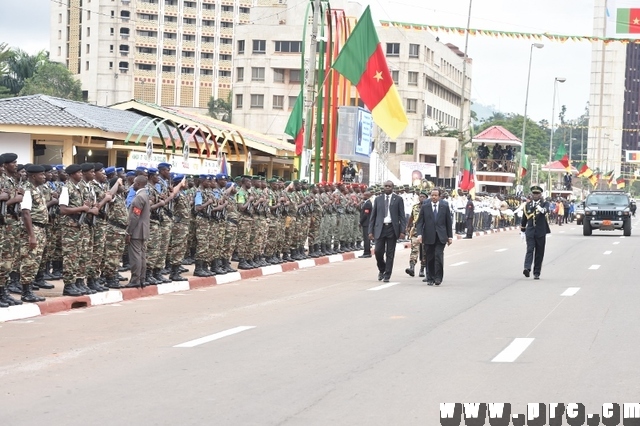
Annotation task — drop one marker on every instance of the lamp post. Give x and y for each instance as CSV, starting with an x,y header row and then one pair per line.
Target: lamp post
x,y
553,114
526,101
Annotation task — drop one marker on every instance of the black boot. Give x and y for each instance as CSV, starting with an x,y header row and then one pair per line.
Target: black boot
x,y
14,283
121,278
422,271
263,261
182,269
157,274
125,263
175,274
210,267
3,304
80,284
5,297
227,265
93,284
28,296
242,264
71,290
302,253
234,256
200,269
251,263
47,271
56,274
336,248
359,245
40,280
286,257
113,282
219,269
411,269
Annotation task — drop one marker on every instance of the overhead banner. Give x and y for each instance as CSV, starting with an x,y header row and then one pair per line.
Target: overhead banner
x,y
355,128
192,166
633,156
623,19
411,173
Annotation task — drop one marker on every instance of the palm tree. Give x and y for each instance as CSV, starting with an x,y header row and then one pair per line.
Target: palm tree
x,y
21,66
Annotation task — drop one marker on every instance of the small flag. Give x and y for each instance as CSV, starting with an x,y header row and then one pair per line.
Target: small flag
x,y
468,181
561,155
620,182
584,171
295,125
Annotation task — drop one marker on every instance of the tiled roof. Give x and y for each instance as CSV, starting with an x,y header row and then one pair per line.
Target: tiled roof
x,y
42,110
497,134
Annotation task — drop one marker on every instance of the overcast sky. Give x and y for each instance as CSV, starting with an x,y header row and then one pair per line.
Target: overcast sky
x,y
499,65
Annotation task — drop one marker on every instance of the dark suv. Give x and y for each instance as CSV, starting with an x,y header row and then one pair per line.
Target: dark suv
x,y
607,211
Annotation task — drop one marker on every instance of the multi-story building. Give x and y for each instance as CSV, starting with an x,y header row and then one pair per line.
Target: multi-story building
x,y
169,52
428,75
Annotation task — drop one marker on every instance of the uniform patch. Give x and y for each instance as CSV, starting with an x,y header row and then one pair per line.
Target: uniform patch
x,y
137,211
367,211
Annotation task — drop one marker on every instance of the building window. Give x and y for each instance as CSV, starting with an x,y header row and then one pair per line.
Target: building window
x,y
292,102
208,23
146,67
59,51
429,111
88,15
206,72
239,74
226,24
207,56
238,101
111,48
278,75
412,78
59,34
393,49
412,105
408,148
240,47
89,31
169,52
188,37
224,73
88,48
187,54
259,46
185,70
294,76
168,68
257,74
414,50
430,86
207,39
257,101
170,18
288,46
392,147
278,102
226,41
395,76
188,21
86,66
110,65
59,18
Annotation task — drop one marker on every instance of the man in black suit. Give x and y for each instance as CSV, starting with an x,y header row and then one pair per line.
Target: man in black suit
x,y
365,215
434,229
535,228
386,225
138,231
469,211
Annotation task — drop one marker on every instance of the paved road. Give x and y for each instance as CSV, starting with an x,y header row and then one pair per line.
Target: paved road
x,y
323,346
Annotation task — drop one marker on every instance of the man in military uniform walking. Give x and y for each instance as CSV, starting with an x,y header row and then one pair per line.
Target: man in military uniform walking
x,y
534,228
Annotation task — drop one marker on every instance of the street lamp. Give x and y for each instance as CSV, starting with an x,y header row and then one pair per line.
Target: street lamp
x,y
553,113
526,101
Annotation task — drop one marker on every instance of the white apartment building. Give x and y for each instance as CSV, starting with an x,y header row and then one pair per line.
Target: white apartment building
x,y
169,52
428,75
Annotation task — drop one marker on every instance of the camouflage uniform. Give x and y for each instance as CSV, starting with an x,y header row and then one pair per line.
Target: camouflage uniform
x,y
166,224
180,230
30,259
12,229
231,231
203,228
244,226
155,258
99,232
76,252
118,219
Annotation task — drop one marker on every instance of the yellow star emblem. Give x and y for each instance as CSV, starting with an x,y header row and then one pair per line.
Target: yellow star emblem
x,y
636,21
378,76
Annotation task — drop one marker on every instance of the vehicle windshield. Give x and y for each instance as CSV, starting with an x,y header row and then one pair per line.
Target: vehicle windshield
x,y
607,200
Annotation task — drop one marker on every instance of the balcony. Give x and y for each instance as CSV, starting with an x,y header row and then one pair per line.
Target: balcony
x,y
188,62
496,166
226,16
147,74
208,31
168,75
224,65
172,26
145,57
171,10
226,31
209,46
208,14
168,60
243,18
190,12
224,80
190,44
189,28
147,25
170,42
149,8
146,41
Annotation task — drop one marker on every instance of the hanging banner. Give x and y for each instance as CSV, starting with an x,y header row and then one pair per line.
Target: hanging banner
x,y
142,159
412,173
623,19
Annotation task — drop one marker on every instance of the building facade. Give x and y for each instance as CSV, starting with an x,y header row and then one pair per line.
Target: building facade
x,y
169,52
427,73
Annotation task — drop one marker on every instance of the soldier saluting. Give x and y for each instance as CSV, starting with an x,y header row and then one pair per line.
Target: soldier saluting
x,y
535,228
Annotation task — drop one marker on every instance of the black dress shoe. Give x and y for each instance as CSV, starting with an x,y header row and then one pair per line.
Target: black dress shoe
x,y
386,279
380,276
466,238
132,285
536,277
526,272
364,256
438,282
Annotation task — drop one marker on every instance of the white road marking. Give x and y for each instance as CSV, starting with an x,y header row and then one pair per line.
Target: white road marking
x,y
179,294
216,336
570,291
458,264
622,236
562,232
383,286
594,267
608,252
617,242
514,350
500,250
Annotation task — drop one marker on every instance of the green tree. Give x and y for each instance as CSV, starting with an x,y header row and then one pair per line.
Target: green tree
x,y
20,67
5,55
220,109
53,79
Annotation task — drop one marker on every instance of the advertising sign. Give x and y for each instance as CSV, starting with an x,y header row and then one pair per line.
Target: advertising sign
x,y
355,127
410,171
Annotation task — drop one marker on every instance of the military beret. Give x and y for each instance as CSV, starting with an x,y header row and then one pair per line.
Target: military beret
x,y
246,177
74,168
536,189
222,176
237,178
47,167
164,166
177,178
229,185
59,167
9,157
142,169
255,177
119,169
131,173
1,158
98,166
272,180
109,170
87,167
287,182
304,181
152,171
34,168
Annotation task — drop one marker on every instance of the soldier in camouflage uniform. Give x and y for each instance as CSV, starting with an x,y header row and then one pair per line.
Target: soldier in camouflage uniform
x,y
155,257
203,202
231,224
314,223
416,247
244,200
218,224
8,162
180,230
12,229
33,236
164,187
55,243
117,220
102,199
271,247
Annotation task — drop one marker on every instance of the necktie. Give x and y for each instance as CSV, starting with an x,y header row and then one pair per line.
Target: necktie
x,y
386,205
435,210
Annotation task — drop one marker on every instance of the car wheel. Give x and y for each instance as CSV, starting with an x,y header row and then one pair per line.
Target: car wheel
x,y
627,228
586,228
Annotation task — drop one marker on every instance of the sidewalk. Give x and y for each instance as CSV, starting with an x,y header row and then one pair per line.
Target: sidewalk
x,y
57,303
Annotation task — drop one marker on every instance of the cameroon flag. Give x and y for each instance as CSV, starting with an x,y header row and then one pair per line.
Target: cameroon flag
x,y
584,171
620,183
363,63
295,125
628,21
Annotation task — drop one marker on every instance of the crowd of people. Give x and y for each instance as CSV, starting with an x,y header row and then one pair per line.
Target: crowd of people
x,y
498,158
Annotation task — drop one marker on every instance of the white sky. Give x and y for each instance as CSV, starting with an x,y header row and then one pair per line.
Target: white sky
x,y
499,65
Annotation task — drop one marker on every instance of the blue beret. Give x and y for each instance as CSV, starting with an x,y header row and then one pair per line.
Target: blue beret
x,y
152,171
109,170
177,178
119,169
230,184
59,167
142,169
131,173
205,177
164,166
220,176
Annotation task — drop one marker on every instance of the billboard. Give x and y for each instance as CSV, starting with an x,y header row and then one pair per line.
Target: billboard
x,y
633,156
355,134
412,172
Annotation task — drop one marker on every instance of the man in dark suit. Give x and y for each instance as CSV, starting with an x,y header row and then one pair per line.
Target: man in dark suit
x,y
365,216
535,228
434,229
386,225
138,231
469,211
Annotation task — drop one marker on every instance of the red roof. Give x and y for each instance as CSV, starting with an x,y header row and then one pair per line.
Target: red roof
x,y
496,134
556,166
